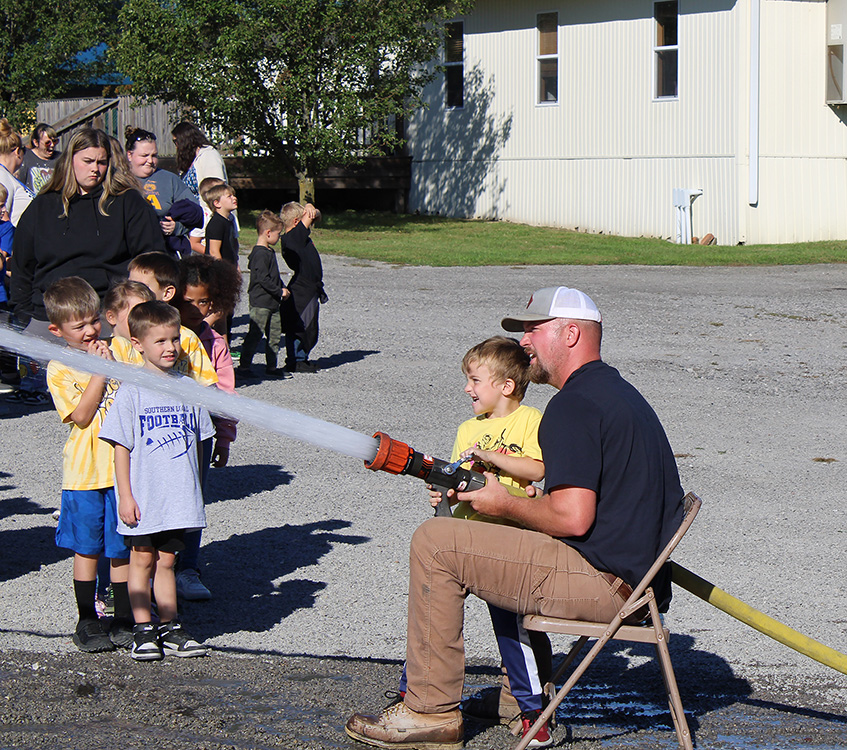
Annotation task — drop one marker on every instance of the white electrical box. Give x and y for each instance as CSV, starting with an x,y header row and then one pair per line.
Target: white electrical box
x,y
836,31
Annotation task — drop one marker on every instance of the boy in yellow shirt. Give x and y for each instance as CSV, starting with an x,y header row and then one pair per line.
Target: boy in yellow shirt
x,y
160,273
88,521
502,438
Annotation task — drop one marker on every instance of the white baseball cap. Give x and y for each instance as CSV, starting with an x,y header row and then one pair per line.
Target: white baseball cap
x,y
554,302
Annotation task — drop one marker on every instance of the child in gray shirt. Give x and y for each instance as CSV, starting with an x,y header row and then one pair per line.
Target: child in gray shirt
x,y
157,442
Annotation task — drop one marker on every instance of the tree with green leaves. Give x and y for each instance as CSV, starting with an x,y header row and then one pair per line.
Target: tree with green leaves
x,y
47,48
312,83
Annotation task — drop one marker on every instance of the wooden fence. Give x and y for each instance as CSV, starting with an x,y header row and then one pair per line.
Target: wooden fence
x,y
113,116
388,173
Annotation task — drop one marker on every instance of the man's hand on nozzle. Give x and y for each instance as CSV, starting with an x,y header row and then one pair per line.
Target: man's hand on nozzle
x,y
492,500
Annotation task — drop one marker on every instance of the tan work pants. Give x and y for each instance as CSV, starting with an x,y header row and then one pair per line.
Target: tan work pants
x,y
518,570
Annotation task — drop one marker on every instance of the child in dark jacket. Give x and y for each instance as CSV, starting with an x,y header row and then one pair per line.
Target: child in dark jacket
x,y
300,311
265,293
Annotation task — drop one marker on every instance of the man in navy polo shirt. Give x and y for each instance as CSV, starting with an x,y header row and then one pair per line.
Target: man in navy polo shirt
x,y
612,500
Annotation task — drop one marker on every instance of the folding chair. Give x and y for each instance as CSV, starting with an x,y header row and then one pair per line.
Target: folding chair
x,y
652,630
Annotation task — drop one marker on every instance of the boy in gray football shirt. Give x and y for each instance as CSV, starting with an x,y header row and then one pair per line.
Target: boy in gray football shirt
x,y
157,440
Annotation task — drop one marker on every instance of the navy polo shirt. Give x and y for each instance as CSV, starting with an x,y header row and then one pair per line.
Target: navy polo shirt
x,y
598,432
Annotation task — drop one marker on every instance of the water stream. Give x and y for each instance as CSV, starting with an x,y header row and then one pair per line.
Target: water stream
x,y
274,418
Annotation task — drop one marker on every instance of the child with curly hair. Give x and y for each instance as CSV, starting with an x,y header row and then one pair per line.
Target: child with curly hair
x,y
207,287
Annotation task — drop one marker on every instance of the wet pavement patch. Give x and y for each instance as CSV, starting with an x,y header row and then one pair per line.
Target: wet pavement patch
x,y
276,701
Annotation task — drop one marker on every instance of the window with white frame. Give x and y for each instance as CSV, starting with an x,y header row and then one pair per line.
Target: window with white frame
x,y
666,49
454,64
548,57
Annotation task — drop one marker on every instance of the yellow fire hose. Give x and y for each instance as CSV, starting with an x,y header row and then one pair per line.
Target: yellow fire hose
x,y
772,628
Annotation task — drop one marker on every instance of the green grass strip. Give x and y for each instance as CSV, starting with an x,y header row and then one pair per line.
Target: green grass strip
x,y
436,241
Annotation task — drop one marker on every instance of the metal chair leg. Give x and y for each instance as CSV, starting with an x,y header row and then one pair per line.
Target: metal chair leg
x,y
683,734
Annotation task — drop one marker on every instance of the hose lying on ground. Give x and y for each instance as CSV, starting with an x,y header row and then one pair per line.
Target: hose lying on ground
x,y
710,593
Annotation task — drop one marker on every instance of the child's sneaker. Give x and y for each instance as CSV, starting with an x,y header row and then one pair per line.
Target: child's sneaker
x,y
176,642
109,601
90,637
190,587
146,646
121,633
542,736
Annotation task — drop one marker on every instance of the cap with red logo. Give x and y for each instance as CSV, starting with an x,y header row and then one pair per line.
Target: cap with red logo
x,y
554,302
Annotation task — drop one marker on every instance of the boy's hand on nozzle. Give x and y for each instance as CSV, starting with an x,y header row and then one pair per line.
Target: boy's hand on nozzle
x,y
435,496
129,511
477,454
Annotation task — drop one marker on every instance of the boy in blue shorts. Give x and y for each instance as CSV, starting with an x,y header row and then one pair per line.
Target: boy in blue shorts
x,y
157,441
88,522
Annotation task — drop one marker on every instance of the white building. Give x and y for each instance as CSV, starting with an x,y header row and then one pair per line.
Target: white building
x,y
587,114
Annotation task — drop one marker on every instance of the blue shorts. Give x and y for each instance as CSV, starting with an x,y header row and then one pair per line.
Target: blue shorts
x,y
88,523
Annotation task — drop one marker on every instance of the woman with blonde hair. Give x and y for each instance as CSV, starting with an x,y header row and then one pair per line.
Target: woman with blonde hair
x,y
89,220
11,158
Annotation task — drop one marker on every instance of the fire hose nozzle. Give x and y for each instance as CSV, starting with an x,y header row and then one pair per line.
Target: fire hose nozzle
x,y
391,455
398,458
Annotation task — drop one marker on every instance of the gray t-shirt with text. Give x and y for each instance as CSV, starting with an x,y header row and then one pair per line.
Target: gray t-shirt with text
x,y
162,435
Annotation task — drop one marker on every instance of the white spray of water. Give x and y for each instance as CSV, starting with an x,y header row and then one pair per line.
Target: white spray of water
x,y
273,418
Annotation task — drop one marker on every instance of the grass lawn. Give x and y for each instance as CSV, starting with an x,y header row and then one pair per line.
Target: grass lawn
x,y
436,241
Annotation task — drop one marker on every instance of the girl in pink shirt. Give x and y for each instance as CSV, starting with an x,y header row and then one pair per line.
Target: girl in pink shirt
x,y
206,287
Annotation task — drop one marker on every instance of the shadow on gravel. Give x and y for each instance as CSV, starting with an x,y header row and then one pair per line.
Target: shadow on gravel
x,y
237,482
798,712
18,506
344,358
12,410
622,693
26,550
241,572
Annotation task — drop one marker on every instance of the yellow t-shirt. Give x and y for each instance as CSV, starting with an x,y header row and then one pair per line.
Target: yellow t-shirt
x,y
516,435
192,362
88,463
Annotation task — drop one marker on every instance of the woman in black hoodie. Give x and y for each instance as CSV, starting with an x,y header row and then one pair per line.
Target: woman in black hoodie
x,y
90,220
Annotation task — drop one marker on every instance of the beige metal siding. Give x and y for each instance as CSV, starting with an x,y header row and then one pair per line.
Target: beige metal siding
x,y
803,163
607,156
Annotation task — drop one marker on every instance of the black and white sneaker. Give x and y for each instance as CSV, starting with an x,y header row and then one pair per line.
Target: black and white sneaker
x,y
146,646
176,642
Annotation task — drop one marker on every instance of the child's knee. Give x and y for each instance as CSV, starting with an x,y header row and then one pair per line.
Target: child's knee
x,y
166,561
142,557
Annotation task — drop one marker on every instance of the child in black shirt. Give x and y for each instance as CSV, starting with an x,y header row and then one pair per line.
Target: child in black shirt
x,y
265,292
300,310
221,241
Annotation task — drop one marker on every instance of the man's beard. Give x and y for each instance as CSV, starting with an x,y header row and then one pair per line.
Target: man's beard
x,y
538,373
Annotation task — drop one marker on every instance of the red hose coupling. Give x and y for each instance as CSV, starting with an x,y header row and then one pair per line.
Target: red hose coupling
x,y
391,455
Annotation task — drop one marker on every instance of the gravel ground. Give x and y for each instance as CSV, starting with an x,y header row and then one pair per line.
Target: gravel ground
x,y
306,551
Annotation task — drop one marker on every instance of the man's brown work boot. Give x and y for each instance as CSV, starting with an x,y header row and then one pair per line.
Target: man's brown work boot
x,y
493,705
400,727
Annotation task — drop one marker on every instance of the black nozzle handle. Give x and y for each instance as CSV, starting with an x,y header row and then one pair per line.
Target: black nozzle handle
x,y
443,507
463,480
